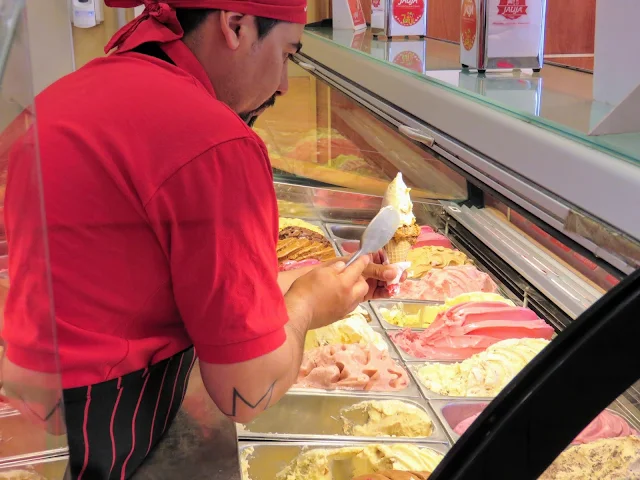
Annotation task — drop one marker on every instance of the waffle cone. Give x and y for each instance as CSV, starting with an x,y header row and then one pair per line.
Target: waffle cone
x,y
397,250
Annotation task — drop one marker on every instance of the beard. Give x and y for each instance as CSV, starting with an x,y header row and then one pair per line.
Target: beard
x,y
250,117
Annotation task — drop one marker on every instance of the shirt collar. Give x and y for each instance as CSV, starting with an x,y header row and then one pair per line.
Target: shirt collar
x,y
184,58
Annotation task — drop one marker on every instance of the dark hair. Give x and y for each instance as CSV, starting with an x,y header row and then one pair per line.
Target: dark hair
x,y
191,18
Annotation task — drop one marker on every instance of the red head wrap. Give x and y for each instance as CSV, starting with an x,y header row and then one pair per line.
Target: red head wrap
x,y
163,25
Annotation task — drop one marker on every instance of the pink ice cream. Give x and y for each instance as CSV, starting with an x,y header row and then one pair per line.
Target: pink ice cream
x,y
605,425
294,264
429,238
442,283
351,367
469,328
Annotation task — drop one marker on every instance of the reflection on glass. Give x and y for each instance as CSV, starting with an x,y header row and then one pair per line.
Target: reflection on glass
x,y
318,133
31,420
565,98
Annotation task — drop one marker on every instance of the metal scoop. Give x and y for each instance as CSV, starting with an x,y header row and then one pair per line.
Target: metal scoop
x,y
378,232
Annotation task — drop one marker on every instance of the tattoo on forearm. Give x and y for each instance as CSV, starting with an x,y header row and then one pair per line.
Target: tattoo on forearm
x,y
264,400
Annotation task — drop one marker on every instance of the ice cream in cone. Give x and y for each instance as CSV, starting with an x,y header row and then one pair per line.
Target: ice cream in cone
x,y
397,196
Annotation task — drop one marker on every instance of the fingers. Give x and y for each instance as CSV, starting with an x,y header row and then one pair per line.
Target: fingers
x,y
353,272
361,289
384,273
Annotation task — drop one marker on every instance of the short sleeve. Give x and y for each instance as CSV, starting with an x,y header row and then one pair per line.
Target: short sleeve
x,y
217,220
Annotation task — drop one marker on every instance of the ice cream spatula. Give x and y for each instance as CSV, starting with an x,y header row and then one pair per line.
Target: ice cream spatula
x,y
378,233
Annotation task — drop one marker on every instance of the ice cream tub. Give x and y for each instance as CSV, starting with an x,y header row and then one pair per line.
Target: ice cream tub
x,y
345,231
50,468
308,416
347,247
21,440
410,391
410,307
430,395
264,460
451,413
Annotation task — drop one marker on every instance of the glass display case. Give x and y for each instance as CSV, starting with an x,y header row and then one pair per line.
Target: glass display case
x,y
32,440
568,280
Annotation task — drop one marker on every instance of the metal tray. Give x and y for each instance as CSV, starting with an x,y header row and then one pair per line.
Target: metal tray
x,y
347,247
21,440
51,468
269,458
345,231
308,416
410,306
430,395
451,412
412,390
374,322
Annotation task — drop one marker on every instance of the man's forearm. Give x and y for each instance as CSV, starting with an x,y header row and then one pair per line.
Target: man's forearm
x,y
242,391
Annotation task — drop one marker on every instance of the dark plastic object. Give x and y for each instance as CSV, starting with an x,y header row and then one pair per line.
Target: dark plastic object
x,y
556,396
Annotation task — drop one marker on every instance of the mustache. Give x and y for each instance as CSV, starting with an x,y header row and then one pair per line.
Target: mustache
x,y
251,117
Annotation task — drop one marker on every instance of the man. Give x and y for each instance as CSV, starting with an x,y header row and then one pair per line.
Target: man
x,y
162,227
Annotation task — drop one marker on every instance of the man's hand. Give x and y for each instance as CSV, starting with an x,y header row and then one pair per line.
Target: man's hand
x,y
378,275
331,291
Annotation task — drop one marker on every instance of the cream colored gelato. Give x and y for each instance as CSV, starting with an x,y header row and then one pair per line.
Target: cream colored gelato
x,y
388,418
353,329
397,196
322,464
425,316
607,459
424,259
484,374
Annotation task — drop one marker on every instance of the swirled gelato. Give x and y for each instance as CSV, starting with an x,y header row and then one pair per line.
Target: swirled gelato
x,y
351,367
319,464
388,418
352,329
470,328
448,282
424,315
425,259
484,374
605,425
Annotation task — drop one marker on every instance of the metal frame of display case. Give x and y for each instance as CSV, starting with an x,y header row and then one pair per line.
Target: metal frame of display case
x,y
529,165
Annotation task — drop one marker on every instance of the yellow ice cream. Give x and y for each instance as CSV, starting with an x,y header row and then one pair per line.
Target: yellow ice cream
x,y
484,374
244,462
296,222
349,462
424,259
428,313
388,418
20,475
610,458
353,329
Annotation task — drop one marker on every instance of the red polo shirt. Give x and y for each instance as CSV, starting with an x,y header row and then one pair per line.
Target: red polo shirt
x,y
162,225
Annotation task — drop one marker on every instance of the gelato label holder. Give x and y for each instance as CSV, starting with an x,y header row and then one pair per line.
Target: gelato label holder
x,y
502,34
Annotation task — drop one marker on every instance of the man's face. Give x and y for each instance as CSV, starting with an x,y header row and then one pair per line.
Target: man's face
x,y
259,64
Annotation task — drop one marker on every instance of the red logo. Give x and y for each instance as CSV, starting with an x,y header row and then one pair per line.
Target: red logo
x,y
468,24
512,9
410,60
375,3
408,12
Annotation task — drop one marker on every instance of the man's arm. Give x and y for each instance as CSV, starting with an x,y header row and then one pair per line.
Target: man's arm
x,y
220,237
244,390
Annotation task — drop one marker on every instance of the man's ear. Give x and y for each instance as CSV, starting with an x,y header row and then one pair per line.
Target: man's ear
x,y
234,26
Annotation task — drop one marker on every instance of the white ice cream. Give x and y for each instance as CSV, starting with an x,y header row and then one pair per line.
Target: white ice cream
x,y
397,195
